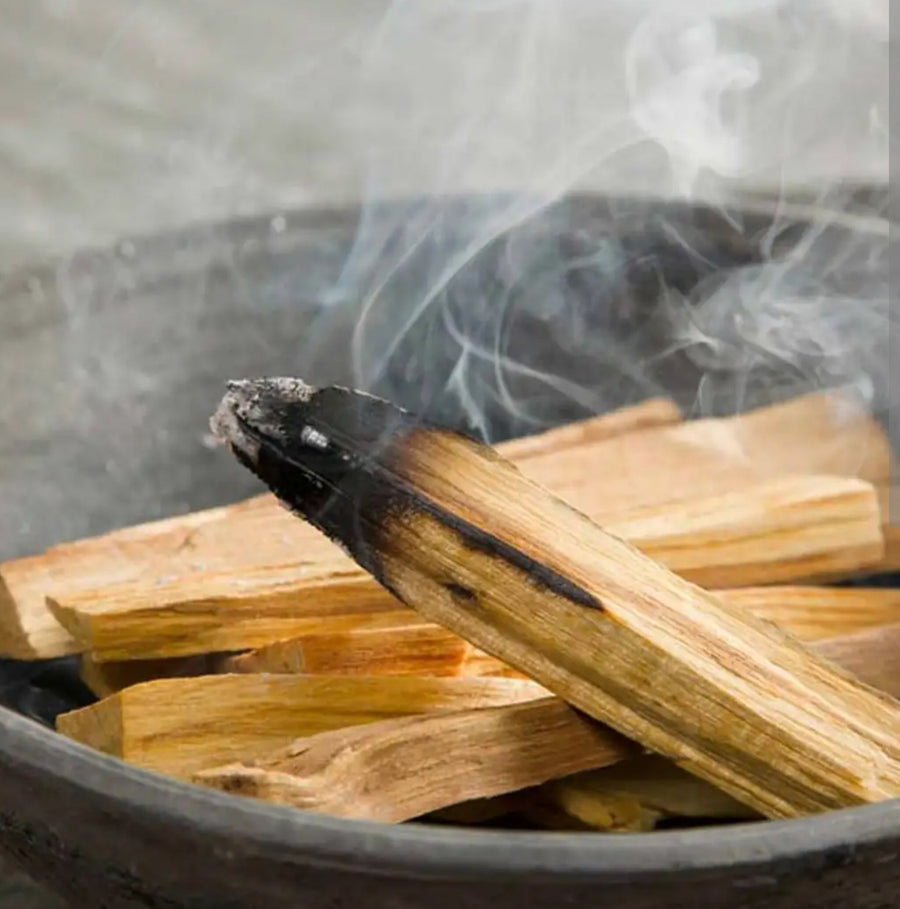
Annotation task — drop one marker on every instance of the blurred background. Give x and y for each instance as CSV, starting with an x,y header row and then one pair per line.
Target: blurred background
x,y
126,118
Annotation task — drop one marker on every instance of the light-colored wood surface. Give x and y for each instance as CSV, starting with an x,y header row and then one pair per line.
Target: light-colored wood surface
x,y
609,479
722,693
776,530
424,649
636,794
397,770
176,726
236,539
630,796
815,613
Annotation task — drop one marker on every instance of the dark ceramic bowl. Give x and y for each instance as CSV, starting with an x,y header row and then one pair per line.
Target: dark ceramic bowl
x,y
112,362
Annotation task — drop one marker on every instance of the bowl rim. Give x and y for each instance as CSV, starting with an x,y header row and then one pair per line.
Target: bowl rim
x,y
426,852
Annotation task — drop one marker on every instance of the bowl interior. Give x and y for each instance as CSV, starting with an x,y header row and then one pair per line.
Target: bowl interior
x,y
112,361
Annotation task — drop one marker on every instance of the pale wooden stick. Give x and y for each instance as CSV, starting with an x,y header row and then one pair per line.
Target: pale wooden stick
x,y
177,726
595,800
459,534
811,613
636,794
772,532
403,643
608,480
236,540
411,649
782,528
816,613
646,415
401,769
223,611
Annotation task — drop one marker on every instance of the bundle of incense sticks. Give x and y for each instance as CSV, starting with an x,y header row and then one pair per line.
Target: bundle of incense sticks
x,y
608,626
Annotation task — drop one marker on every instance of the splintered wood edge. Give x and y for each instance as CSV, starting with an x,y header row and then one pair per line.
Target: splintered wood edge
x,y
339,772
178,726
30,633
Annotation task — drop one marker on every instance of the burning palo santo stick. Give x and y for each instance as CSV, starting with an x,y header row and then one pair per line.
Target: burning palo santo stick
x,y
460,535
610,478
236,538
177,726
777,529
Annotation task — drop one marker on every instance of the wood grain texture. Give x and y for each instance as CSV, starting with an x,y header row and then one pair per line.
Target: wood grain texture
x,y
176,726
780,529
462,536
829,615
637,794
609,479
222,611
632,796
726,696
397,770
815,613
410,649
238,538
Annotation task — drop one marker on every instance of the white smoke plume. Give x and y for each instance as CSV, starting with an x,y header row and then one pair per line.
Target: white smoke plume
x,y
496,293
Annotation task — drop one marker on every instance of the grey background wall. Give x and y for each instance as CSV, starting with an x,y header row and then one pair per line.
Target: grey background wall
x,y
121,118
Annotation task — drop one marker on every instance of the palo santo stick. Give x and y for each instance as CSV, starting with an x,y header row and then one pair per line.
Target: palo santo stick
x,y
648,788
459,534
814,434
237,538
636,794
816,613
776,531
647,414
491,753
782,528
224,611
811,613
177,726
424,649
609,479
396,770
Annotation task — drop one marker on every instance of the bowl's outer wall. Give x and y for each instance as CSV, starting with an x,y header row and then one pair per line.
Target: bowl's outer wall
x,y
111,364
101,850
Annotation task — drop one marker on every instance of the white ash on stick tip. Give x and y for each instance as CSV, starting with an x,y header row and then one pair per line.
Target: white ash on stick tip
x,y
244,402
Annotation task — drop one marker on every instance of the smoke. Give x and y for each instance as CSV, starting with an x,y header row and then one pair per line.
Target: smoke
x,y
530,246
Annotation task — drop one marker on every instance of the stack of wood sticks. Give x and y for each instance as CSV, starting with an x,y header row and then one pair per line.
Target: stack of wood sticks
x,y
620,624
